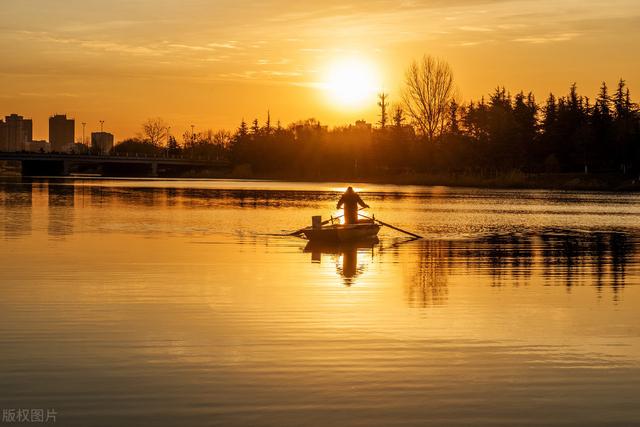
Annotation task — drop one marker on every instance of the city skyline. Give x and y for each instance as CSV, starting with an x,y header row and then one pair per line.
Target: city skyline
x,y
42,128
16,134
193,63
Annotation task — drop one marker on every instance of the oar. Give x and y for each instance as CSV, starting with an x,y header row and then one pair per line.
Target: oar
x,y
394,227
327,221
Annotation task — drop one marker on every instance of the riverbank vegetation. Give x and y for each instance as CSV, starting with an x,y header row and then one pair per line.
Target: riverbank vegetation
x,y
430,135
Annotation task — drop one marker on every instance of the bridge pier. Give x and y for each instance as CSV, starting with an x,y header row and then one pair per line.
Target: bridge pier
x,y
154,169
66,167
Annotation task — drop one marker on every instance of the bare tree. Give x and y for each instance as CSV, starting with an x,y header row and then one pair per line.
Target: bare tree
x,y
155,130
189,138
429,90
222,138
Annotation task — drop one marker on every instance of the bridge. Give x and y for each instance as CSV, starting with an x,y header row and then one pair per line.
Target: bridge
x,y
65,164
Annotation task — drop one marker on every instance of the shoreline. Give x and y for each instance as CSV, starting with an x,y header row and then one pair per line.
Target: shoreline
x,y
508,181
511,181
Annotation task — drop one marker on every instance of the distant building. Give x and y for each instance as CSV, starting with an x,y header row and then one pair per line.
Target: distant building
x,y
101,142
15,132
61,132
38,146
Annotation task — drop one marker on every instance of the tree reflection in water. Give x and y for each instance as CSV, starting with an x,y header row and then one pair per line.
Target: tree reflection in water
x,y
558,257
429,284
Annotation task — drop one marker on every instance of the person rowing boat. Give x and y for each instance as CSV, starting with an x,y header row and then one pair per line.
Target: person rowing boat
x,y
351,200
352,229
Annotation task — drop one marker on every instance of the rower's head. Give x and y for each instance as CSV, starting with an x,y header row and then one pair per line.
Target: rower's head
x,y
350,189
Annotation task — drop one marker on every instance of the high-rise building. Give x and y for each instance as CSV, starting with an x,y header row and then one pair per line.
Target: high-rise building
x,y
15,132
61,132
101,142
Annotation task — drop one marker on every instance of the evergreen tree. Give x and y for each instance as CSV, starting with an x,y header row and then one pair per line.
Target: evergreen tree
x,y
525,116
173,148
602,121
621,100
398,117
267,124
550,113
243,130
603,103
454,128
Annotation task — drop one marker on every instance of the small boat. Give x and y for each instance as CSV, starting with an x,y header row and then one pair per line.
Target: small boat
x,y
342,232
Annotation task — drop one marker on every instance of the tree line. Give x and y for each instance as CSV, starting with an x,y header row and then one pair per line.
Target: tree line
x,y
430,131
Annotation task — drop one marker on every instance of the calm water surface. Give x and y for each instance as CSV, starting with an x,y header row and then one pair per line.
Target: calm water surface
x,y
136,302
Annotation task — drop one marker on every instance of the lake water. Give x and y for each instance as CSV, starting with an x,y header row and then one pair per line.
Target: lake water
x,y
150,302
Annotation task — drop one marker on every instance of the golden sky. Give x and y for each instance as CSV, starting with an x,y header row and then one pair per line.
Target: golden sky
x,y
211,63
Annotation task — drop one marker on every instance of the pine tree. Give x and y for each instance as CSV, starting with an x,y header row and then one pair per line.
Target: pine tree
x,y
172,146
267,125
550,112
619,100
603,103
601,121
574,100
243,130
398,117
454,128
627,101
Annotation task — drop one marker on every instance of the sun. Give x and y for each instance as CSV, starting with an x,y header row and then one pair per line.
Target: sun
x,y
352,82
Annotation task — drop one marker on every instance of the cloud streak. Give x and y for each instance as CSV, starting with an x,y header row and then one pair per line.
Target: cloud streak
x,y
549,38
